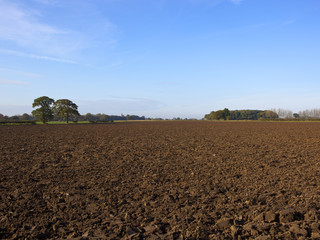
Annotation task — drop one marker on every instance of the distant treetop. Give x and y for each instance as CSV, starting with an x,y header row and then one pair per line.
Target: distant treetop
x,y
226,114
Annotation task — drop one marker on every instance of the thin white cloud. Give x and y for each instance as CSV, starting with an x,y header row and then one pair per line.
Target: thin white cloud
x,y
23,54
23,26
26,29
27,74
12,82
51,58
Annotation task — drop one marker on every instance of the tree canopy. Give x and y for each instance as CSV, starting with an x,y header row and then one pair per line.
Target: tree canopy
x,y
44,112
65,108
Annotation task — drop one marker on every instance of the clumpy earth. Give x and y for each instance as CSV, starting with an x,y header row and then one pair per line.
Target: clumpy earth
x,y
160,180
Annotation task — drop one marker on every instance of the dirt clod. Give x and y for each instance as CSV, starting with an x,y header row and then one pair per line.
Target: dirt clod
x,y
287,215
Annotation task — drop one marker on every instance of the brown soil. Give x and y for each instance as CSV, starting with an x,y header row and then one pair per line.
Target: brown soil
x,y
160,180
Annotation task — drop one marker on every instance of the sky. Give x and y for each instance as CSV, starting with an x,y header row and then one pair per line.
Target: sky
x,y
160,58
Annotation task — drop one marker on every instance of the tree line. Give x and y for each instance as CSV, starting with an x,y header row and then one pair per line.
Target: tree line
x,y
308,114
99,117
226,114
279,113
105,117
47,109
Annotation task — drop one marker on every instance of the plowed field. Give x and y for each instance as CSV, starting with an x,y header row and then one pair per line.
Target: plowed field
x,y
160,180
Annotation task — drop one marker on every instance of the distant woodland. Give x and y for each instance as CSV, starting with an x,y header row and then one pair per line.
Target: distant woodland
x,y
272,114
86,117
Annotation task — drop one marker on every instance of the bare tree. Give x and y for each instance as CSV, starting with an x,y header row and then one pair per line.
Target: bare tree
x,y
283,113
310,113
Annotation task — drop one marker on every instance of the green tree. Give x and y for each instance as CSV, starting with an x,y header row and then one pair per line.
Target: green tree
x,y
44,112
218,115
296,115
25,116
104,117
226,114
65,108
207,117
268,114
14,118
89,117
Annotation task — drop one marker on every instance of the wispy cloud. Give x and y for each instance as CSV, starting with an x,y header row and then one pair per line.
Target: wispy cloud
x,y
12,82
23,54
24,26
27,74
21,25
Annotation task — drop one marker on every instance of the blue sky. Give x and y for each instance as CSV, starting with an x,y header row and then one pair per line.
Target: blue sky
x,y
160,58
